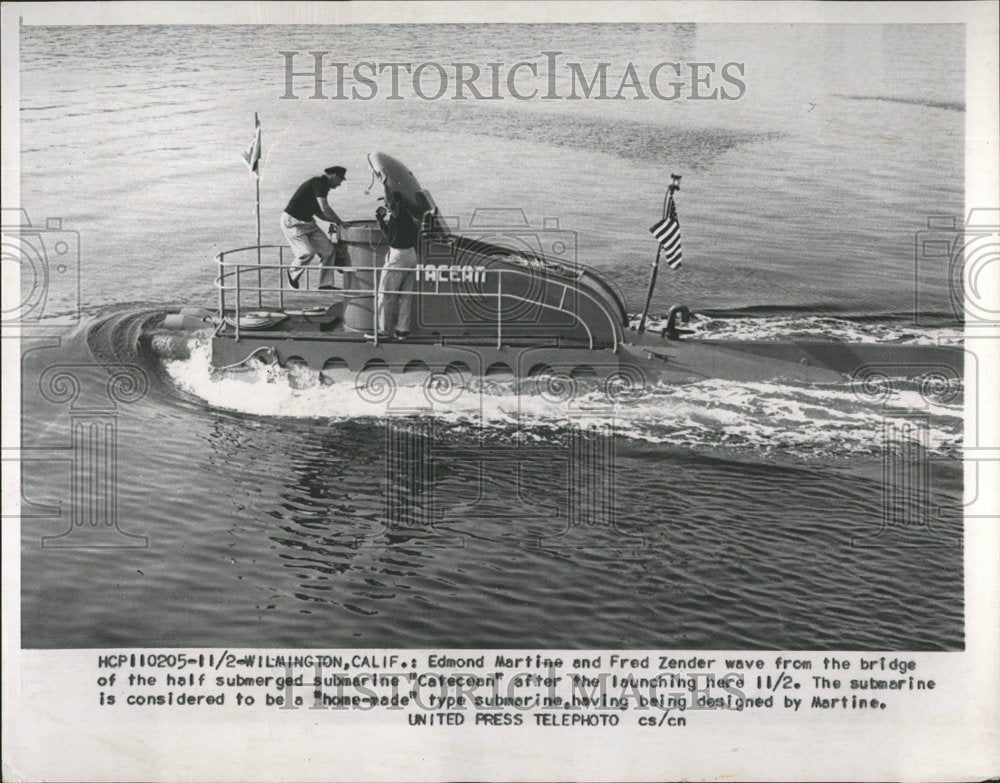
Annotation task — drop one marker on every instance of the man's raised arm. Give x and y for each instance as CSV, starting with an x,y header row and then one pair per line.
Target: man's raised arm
x,y
327,211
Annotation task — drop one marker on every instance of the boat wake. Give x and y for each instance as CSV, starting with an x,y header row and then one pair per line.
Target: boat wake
x,y
812,327
805,421
800,420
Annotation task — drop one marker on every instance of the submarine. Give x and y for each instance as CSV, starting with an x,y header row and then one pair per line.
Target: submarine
x,y
504,301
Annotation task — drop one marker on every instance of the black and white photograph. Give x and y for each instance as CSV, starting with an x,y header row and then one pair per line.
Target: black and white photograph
x,y
402,333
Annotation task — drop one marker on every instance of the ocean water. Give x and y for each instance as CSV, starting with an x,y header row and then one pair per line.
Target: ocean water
x,y
745,515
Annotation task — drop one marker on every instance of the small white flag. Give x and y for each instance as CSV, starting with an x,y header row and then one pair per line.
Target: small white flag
x,y
252,155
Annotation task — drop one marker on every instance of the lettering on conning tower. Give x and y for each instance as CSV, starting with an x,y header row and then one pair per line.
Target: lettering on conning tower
x,y
451,273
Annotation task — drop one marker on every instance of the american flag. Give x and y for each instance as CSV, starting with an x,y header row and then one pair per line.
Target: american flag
x,y
668,234
252,155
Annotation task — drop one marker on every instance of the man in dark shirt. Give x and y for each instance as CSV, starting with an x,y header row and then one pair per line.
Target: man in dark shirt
x,y
395,292
307,239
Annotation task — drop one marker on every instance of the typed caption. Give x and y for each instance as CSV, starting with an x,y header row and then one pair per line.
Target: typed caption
x,y
499,689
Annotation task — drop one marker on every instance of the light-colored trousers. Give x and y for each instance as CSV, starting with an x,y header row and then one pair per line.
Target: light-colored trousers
x,y
398,275
308,241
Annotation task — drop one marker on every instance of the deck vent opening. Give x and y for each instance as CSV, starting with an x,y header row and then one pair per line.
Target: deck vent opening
x,y
335,363
334,369
458,368
415,366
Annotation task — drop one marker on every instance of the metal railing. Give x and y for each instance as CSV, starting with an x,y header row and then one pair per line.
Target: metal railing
x,y
234,271
575,269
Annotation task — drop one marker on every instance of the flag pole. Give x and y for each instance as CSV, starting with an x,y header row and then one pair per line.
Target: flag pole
x,y
667,199
260,278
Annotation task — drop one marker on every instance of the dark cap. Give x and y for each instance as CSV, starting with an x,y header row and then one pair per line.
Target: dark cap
x,y
336,170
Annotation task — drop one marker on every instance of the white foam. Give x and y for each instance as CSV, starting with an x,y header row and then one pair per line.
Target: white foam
x,y
806,420
812,328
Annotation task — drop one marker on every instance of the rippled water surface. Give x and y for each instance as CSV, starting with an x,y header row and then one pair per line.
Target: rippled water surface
x,y
745,515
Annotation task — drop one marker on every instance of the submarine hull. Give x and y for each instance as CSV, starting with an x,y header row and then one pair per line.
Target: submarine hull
x,y
308,339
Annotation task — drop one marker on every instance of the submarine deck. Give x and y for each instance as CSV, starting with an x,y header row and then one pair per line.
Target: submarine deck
x,y
316,333
318,338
